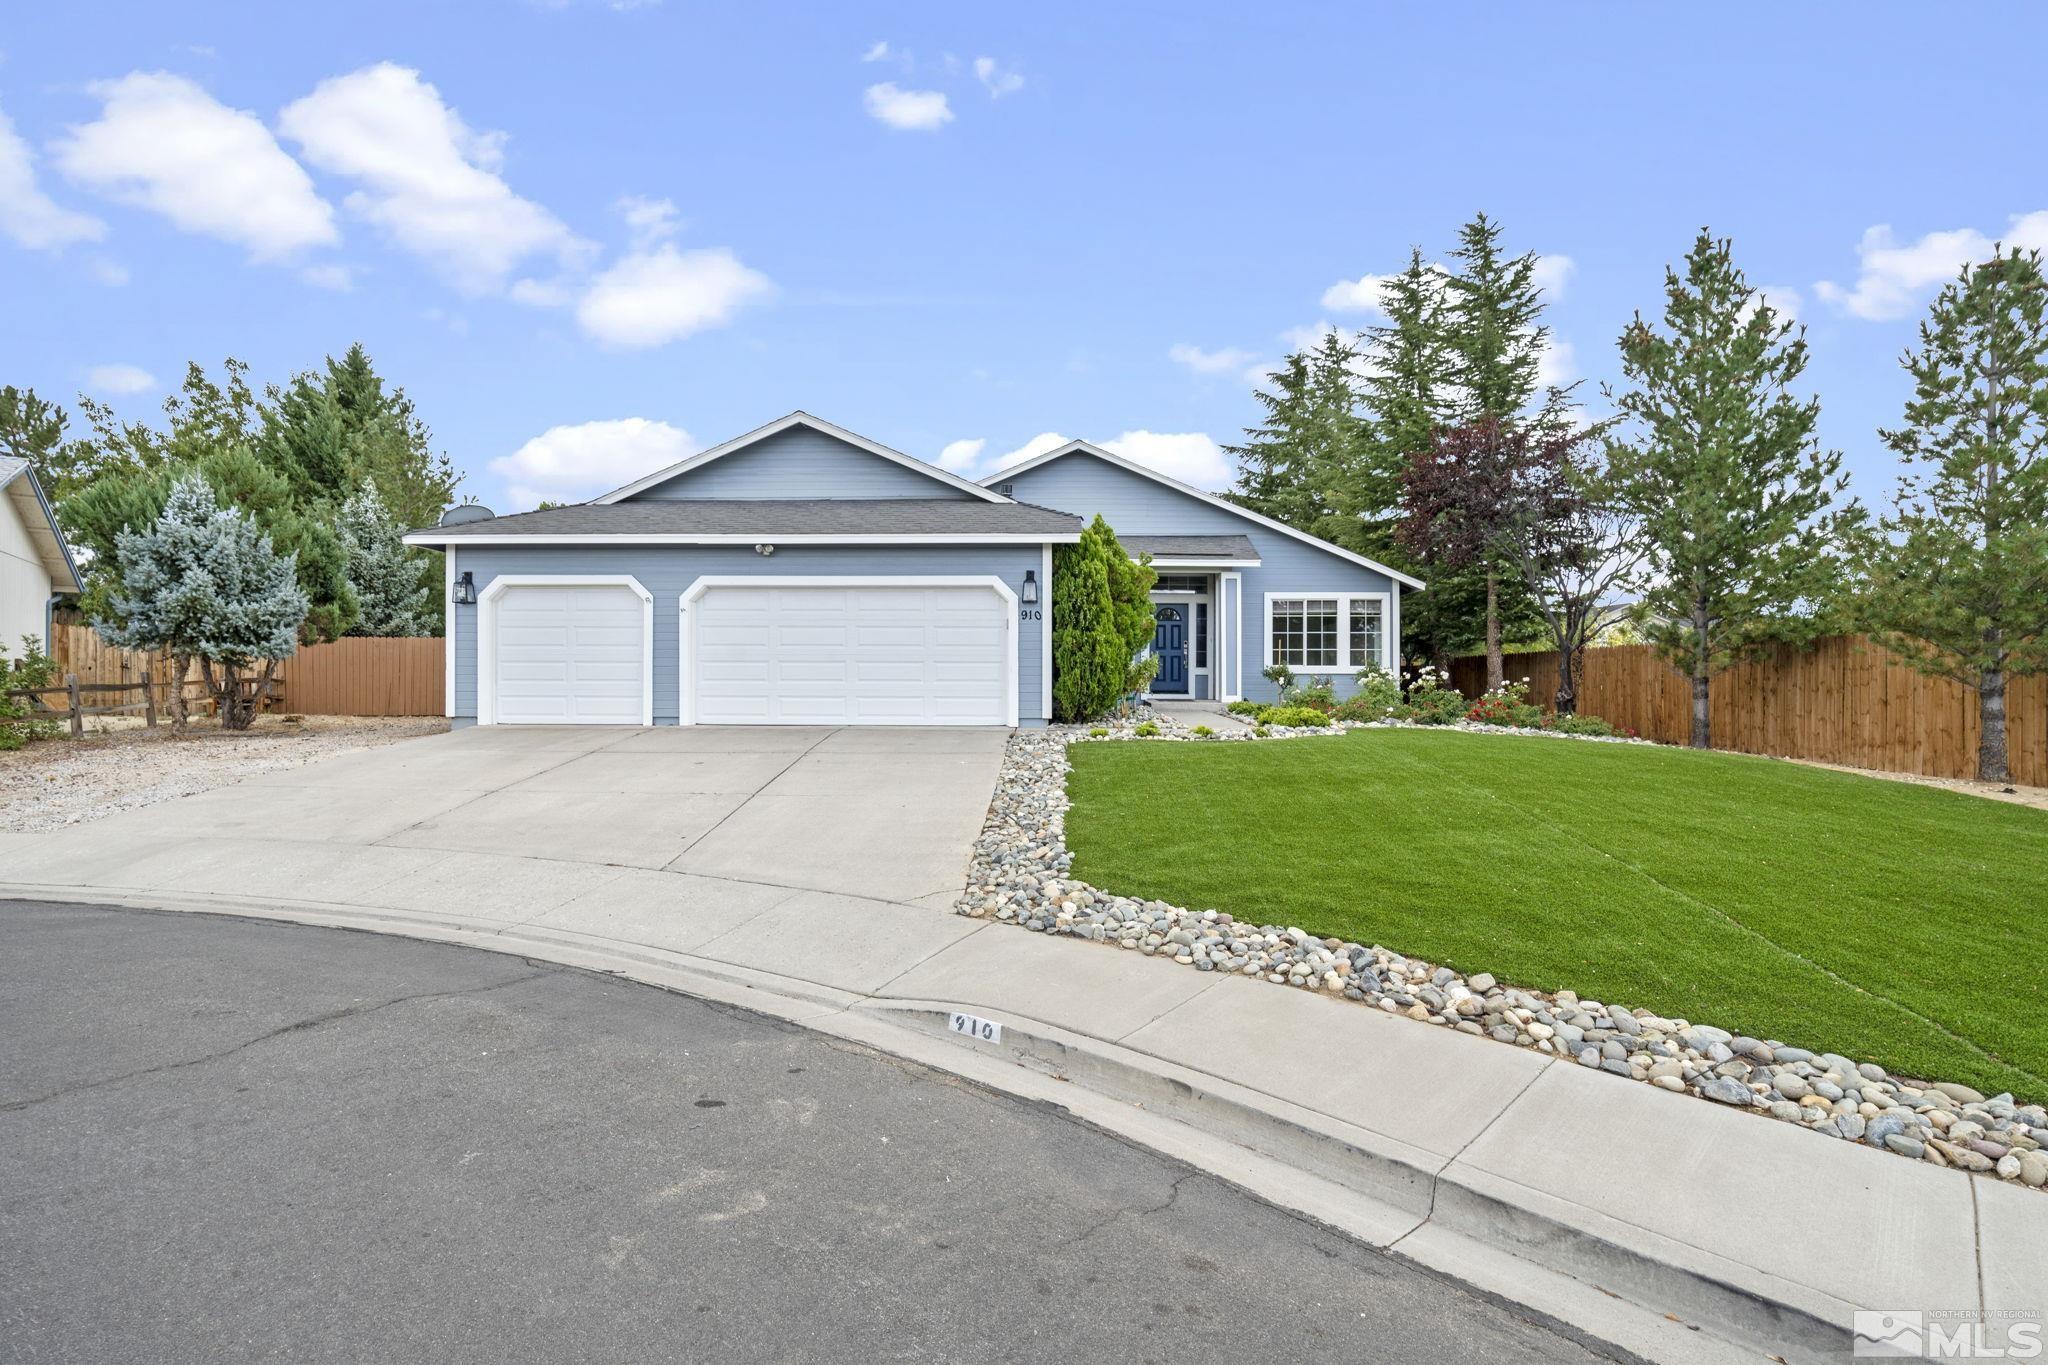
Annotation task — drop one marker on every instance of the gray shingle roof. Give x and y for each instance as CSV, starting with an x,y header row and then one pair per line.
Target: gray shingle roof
x,y
1190,547
772,517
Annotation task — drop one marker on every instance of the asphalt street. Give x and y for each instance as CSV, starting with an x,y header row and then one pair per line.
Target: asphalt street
x,y
236,1140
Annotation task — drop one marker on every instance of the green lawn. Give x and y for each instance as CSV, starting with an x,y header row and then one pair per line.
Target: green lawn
x,y
1884,921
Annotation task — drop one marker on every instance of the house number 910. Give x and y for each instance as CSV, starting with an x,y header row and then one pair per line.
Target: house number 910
x,y
983,1030
1029,613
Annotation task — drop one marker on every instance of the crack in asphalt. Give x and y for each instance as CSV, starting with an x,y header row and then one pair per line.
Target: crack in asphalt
x,y
1103,1224
298,1026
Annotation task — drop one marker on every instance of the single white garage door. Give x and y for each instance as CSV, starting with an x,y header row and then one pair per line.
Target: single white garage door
x,y
815,655
570,656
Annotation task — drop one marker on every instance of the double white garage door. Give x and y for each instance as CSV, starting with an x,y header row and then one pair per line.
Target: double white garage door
x,y
808,654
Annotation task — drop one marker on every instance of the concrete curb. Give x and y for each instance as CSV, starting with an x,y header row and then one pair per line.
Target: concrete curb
x,y
1520,1245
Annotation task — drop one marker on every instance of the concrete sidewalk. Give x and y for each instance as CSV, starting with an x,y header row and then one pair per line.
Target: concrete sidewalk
x,y
1599,1200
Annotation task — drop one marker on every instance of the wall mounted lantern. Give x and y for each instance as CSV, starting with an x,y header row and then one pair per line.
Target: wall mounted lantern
x,y
465,589
1030,594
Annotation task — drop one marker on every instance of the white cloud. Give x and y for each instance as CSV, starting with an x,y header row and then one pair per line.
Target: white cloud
x,y
878,52
1310,335
540,293
1551,273
649,220
1189,456
1894,277
27,215
961,456
1031,449
1783,299
576,463
921,111
650,298
428,179
1210,362
162,143
1362,295
995,79
336,277
1557,364
120,380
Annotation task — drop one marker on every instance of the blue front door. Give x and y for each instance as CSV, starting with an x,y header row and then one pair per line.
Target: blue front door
x,y
1170,644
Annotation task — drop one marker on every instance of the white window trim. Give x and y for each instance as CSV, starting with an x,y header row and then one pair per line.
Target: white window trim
x,y
1345,663
448,632
686,704
1045,637
1228,618
487,635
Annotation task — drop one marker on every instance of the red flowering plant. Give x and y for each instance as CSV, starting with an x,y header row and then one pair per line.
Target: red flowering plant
x,y
1507,705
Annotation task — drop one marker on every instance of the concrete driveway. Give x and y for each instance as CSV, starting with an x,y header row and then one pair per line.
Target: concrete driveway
x,y
743,845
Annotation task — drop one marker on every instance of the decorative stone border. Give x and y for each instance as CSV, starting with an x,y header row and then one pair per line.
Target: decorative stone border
x,y
1018,875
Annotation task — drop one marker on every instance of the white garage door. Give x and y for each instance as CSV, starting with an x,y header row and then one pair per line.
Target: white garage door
x,y
570,656
817,655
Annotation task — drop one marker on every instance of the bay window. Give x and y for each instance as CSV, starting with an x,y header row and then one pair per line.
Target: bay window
x,y
1334,632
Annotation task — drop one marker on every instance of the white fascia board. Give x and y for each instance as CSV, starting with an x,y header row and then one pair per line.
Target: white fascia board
x,y
431,539
1084,448
1158,563
801,418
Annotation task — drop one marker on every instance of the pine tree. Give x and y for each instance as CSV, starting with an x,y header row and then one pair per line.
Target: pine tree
x,y
33,429
1101,621
1720,462
1405,394
203,582
1958,584
382,572
1303,463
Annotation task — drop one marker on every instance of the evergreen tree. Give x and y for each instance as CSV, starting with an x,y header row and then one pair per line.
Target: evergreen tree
x,y
1735,496
1304,462
1101,621
33,429
381,570
1958,585
203,582
1496,337
1405,394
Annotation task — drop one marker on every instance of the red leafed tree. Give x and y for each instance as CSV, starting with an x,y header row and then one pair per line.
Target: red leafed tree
x,y
1460,500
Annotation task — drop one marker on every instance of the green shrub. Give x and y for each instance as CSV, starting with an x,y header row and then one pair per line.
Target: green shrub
x,y
1203,731
1509,705
1101,619
1098,733
33,669
1433,701
1580,725
1260,732
1146,731
1378,696
1245,708
1298,717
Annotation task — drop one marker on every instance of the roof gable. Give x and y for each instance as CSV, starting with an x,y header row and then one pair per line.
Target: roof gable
x,y
20,491
907,476
1072,448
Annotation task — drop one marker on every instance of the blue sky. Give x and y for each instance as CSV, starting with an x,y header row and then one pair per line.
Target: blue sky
x,y
588,237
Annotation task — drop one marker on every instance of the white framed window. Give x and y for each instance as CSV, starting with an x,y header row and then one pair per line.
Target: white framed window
x,y
1327,632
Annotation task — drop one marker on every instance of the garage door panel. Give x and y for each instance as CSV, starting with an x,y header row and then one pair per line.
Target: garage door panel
x,y
819,654
570,655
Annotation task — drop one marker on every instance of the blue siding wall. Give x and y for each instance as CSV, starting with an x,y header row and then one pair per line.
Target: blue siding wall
x,y
1135,505
802,463
668,570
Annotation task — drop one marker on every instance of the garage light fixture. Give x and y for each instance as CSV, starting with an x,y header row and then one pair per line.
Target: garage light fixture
x,y
465,589
764,550
1030,593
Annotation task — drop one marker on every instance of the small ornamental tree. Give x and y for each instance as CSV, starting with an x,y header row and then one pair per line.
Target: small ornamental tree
x,y
381,571
1958,584
1460,498
1719,461
1101,620
203,583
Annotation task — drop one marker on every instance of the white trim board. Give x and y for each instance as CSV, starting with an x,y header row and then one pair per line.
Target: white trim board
x,y
1345,663
1045,636
487,627
448,632
801,418
1084,448
434,538
686,705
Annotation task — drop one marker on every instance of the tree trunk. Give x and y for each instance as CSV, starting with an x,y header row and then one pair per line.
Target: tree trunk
x,y
236,710
1496,674
1702,717
1568,663
1993,761
181,664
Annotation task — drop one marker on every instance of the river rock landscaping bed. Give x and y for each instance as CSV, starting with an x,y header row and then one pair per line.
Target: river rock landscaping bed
x,y
1019,875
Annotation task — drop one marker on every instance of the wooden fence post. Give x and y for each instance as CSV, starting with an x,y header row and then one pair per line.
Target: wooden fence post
x,y
77,715
148,699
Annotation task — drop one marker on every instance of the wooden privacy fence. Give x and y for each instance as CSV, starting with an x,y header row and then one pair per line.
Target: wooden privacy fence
x,y
357,676
1848,700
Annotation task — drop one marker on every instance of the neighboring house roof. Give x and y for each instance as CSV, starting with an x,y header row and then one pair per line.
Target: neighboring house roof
x,y
1171,548
18,483
803,419
747,520
1084,448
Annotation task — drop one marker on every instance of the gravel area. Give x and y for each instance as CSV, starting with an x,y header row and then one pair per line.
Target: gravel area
x,y
57,782
1019,875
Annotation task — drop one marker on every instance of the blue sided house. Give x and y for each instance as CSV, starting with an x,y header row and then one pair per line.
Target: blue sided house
x,y
804,575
